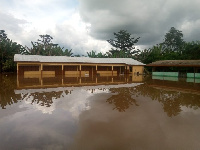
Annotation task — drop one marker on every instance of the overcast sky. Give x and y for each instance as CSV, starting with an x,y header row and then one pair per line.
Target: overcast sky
x,y
85,25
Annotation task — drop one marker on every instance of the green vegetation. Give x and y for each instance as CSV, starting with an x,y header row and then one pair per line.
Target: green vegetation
x,y
45,47
7,50
123,45
94,55
173,47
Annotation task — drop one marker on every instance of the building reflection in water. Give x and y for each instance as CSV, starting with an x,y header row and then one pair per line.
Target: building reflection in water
x,y
39,82
121,102
124,91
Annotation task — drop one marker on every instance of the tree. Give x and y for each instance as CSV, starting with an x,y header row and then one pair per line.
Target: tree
x,y
172,48
123,44
101,55
93,54
191,50
68,52
46,47
3,35
7,50
46,40
173,40
150,55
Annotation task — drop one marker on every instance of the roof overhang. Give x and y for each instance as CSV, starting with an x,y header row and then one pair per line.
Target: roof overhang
x,y
175,63
77,60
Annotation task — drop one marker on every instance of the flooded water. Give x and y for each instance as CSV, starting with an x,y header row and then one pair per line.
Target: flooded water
x,y
99,113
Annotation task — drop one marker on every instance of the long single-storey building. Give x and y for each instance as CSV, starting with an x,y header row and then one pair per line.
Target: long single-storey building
x,y
51,66
176,68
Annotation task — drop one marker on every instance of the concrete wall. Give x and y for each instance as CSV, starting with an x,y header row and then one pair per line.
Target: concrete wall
x,y
31,74
51,69
137,70
192,75
165,78
169,74
36,74
48,74
136,78
107,73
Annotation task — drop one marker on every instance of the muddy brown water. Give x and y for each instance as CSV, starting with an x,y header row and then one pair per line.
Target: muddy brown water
x,y
99,113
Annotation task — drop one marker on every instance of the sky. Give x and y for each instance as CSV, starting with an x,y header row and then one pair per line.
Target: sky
x,y
85,25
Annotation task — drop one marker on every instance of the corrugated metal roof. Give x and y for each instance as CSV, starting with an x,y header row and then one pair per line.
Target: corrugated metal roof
x,y
175,63
66,59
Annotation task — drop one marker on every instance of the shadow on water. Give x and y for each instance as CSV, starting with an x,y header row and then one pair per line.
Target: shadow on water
x,y
172,95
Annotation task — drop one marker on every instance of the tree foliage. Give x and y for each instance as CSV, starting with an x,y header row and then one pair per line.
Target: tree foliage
x,y
191,51
173,40
3,35
172,48
45,46
123,45
93,54
8,49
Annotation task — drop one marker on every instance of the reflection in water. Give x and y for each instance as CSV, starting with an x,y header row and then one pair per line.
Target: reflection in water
x,y
122,98
173,95
69,114
38,82
46,97
7,94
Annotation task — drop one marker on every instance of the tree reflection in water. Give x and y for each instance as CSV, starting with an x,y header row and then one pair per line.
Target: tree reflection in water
x,y
122,99
172,95
44,99
171,99
7,94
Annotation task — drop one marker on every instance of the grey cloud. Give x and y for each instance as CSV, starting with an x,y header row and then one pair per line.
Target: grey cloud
x,y
69,38
14,28
10,23
150,20
80,42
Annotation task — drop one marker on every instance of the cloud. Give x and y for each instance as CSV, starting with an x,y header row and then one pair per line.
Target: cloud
x,y
85,25
11,24
59,19
73,34
149,20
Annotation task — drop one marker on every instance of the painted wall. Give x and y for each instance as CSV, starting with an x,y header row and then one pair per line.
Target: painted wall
x,y
136,78
107,73
56,69
36,74
31,74
137,69
48,74
165,78
192,75
169,74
